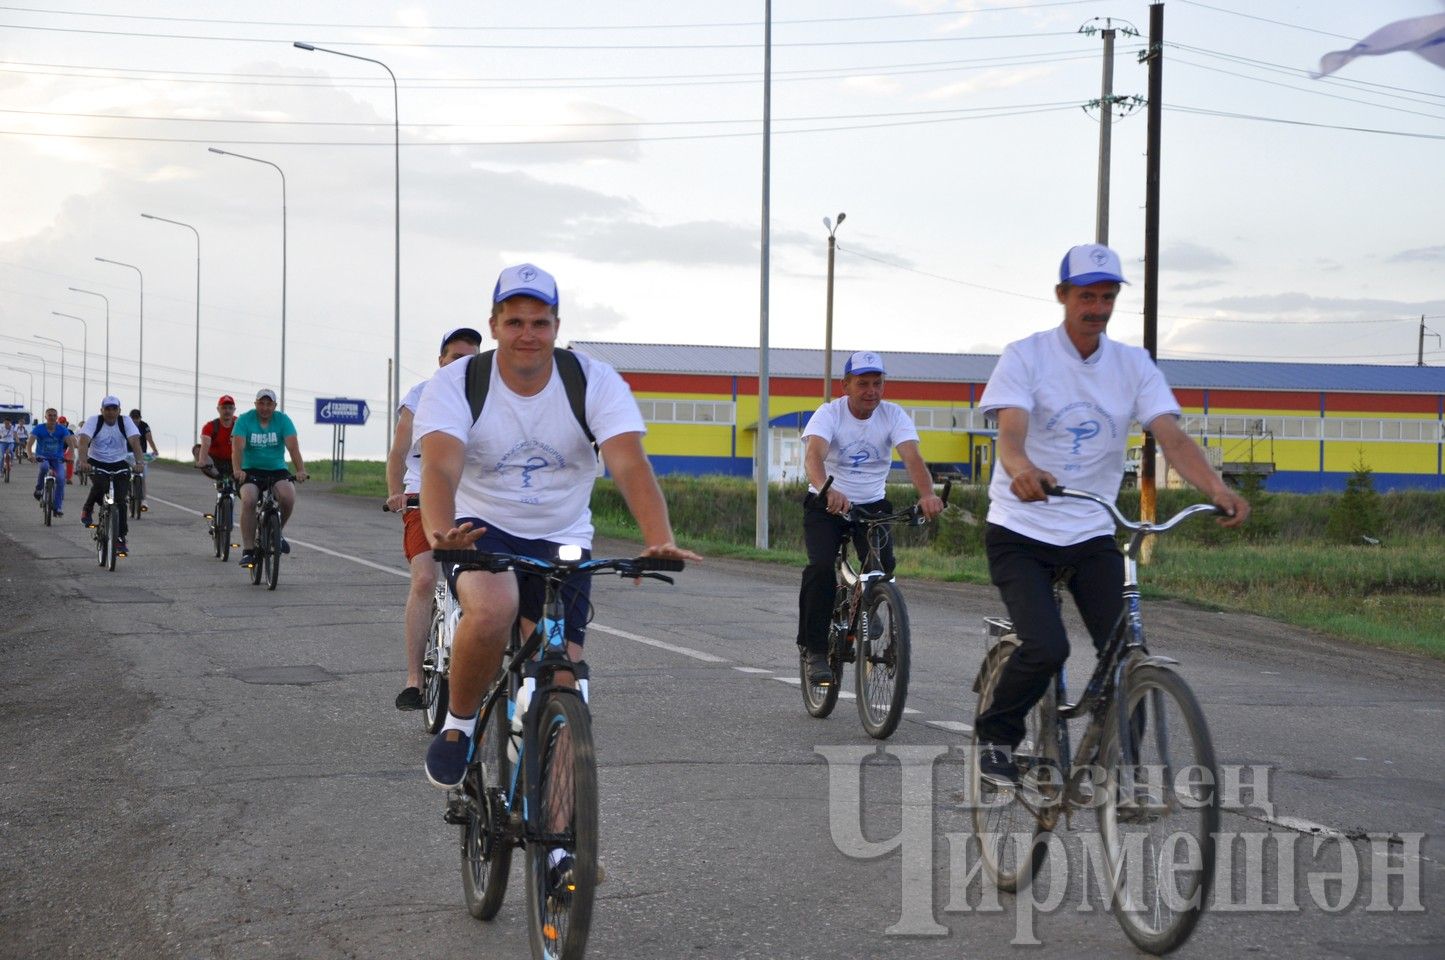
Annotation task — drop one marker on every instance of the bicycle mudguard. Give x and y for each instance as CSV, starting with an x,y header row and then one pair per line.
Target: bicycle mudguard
x,y
1006,643
1149,660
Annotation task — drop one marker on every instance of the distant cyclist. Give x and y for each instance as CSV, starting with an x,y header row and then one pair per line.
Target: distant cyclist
x,y
69,452
403,484
213,453
48,443
146,438
260,440
20,434
7,442
105,441
852,440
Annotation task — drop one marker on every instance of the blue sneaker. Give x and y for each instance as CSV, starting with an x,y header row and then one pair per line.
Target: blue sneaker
x,y
447,758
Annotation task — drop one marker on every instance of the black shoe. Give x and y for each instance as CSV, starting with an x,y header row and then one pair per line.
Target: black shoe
x,y
409,699
121,549
248,558
285,546
996,766
37,494
58,513
819,672
85,520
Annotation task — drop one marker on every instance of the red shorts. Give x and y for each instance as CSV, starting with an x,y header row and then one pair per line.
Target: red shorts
x,y
414,540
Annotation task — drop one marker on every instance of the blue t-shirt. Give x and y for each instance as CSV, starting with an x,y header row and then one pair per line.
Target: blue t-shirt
x,y
50,444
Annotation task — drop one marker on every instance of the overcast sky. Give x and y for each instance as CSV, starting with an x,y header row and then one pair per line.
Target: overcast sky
x,y
618,145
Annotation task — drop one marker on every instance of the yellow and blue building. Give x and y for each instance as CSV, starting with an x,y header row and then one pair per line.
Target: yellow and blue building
x,y
1311,422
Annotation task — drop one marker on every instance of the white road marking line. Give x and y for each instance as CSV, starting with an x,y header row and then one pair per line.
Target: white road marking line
x,y
845,695
951,725
908,710
752,670
797,681
685,651
346,556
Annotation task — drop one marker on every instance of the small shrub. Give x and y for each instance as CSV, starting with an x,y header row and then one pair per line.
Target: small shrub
x,y
1356,514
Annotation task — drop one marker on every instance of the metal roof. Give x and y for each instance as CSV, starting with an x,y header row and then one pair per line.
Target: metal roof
x,y
976,368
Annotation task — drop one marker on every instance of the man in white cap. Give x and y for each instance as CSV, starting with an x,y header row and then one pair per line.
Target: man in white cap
x,y
517,478
260,440
1064,400
850,439
403,487
104,442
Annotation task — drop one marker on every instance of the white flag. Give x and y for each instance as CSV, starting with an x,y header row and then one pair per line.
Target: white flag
x,y
1423,35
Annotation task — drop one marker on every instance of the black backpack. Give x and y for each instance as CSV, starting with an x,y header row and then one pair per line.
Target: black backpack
x,y
574,380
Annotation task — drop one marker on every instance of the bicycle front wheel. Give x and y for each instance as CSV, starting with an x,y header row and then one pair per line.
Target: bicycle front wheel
x,y
273,550
47,501
1160,810
137,495
883,660
486,847
1012,840
562,858
101,533
113,534
258,562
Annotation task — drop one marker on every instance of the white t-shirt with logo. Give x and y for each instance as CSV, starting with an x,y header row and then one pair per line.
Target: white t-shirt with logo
x,y
1079,417
109,443
529,467
411,482
7,432
860,452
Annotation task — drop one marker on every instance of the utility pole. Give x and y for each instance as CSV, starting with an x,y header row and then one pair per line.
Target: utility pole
x,y
1420,358
760,537
1154,56
1106,116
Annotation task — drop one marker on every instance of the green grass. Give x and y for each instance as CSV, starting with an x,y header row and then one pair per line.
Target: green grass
x,y
1279,565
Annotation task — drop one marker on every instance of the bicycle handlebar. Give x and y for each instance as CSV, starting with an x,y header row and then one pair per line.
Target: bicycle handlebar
x,y
1136,526
912,516
630,567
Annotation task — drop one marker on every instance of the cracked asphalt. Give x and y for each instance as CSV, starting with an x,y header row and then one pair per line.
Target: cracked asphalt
x,y
194,767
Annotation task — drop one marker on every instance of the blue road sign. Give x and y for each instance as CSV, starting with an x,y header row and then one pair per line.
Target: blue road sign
x,y
341,412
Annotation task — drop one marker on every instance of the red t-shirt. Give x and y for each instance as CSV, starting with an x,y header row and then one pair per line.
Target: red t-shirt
x,y
220,435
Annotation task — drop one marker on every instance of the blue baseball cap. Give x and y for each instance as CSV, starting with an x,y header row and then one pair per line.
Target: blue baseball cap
x,y
1091,263
864,361
461,333
526,280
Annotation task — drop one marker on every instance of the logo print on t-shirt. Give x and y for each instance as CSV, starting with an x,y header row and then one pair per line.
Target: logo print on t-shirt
x,y
1087,430
529,467
533,463
858,453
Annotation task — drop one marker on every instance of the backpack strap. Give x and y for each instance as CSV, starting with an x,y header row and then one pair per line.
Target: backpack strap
x,y
574,381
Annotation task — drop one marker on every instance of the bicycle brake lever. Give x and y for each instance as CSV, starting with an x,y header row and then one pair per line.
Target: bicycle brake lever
x,y
650,576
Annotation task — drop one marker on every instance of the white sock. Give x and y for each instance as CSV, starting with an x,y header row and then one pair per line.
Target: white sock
x,y
467,725
555,857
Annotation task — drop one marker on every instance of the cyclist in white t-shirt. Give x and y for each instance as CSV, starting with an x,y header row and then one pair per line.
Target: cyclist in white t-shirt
x,y
519,479
1064,400
850,439
403,486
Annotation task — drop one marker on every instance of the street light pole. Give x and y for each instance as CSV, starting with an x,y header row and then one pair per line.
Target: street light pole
x,y
32,387
242,156
44,377
62,365
141,346
84,359
396,182
196,398
107,330
832,228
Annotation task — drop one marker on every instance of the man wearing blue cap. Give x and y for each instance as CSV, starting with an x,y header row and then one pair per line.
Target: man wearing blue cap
x,y
403,487
516,477
1064,400
850,439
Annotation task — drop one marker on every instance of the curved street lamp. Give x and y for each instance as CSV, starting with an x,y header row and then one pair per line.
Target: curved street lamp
x,y
196,398
32,386
44,377
107,330
84,359
242,156
396,180
62,365
141,347
832,229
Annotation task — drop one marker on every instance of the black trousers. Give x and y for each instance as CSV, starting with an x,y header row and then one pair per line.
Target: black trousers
x,y
1023,570
823,534
98,486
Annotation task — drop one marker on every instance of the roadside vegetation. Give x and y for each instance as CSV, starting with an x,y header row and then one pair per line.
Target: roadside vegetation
x,y
1360,565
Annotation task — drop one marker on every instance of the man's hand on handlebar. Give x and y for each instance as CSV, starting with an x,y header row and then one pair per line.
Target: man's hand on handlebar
x,y
396,502
1232,504
1030,484
457,538
670,551
931,507
837,503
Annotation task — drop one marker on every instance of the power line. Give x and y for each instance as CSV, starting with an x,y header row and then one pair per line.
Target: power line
x,y
937,276
1312,92
528,143
549,27
596,123
1201,111
751,45
1278,23
1334,81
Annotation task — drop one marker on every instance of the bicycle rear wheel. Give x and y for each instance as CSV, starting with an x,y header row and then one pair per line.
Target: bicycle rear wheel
x,y
137,494
1160,811
273,550
881,673
435,688
1013,843
559,899
486,847
820,698
224,522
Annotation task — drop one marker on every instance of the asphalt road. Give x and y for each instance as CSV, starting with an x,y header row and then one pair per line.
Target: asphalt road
x,y
195,767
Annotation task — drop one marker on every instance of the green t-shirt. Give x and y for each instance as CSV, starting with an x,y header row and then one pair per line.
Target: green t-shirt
x,y
265,448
